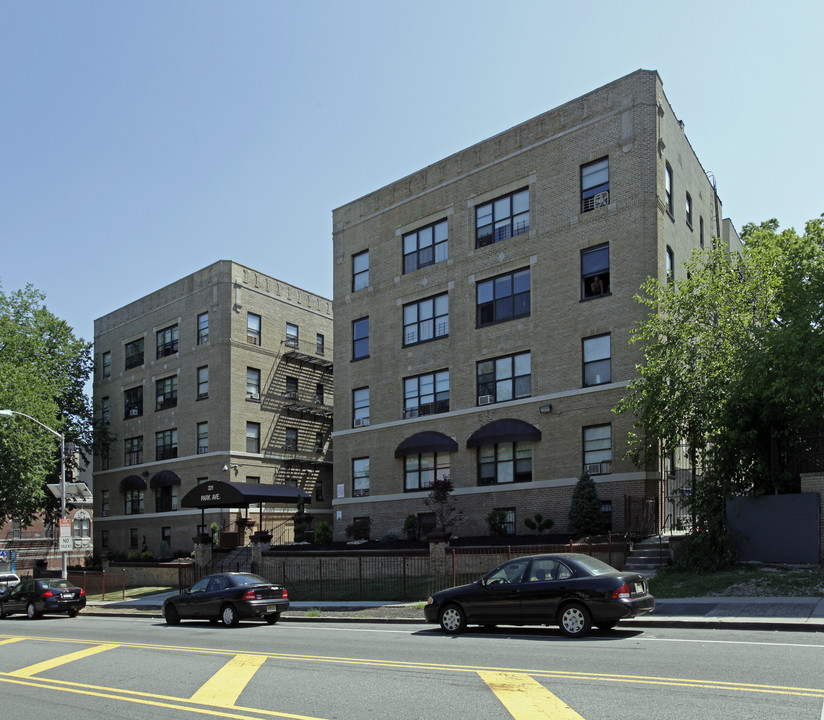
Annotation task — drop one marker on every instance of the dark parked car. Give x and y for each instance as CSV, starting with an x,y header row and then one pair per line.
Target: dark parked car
x,y
571,590
38,596
228,598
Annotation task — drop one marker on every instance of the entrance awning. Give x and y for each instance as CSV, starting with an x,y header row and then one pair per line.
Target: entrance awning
x,y
163,479
426,442
509,430
219,494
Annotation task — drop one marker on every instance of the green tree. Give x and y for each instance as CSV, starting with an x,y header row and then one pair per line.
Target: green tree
x,y
732,365
43,370
539,523
585,508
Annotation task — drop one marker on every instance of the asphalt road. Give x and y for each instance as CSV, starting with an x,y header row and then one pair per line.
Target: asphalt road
x,y
137,667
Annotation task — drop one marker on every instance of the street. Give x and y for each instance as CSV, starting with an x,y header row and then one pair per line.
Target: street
x,y
137,667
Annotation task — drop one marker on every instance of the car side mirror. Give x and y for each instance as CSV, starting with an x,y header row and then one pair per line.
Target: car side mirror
x,y
4,591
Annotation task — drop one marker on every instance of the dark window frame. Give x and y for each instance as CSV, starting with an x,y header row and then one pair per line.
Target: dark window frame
x,y
439,325
166,444
495,382
133,402
440,468
166,393
360,275
135,353
597,364
595,274
203,328
504,223
254,328
594,190
434,250
502,306
412,405
360,341
133,450
167,341
500,459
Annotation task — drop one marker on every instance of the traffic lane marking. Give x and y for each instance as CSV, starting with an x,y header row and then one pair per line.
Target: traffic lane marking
x,y
226,685
526,699
61,660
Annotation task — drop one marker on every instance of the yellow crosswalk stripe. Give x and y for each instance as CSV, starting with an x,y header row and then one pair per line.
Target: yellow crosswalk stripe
x,y
62,660
527,699
225,686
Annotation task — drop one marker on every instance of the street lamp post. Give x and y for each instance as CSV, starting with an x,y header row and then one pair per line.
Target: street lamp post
x,y
60,436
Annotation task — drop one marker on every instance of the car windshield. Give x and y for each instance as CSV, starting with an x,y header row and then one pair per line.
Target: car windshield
x,y
594,566
250,579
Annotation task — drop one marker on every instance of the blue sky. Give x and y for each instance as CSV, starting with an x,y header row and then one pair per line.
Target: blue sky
x,y
141,141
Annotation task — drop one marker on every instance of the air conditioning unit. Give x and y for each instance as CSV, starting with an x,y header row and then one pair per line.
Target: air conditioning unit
x,y
597,468
601,199
291,394
410,413
486,399
361,422
133,412
253,395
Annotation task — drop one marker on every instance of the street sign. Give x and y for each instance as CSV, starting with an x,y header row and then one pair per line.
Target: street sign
x,y
66,543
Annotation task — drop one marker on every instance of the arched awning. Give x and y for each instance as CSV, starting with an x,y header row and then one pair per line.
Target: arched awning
x,y
219,494
508,430
132,482
426,442
164,478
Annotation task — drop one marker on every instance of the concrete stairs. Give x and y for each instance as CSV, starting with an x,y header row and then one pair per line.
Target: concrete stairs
x,y
649,555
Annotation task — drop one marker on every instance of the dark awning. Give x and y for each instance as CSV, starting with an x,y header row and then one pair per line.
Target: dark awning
x,y
132,482
508,430
163,479
426,442
219,494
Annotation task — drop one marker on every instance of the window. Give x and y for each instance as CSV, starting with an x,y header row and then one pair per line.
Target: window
x,y
133,402
426,319
253,328
203,328
670,265
668,190
16,530
360,271
134,354
318,443
420,470
360,407
606,514
166,393
319,344
166,445
167,341
360,477
291,388
104,538
318,491
166,498
166,534
508,520
505,463
133,451
597,449
202,438
203,382
426,246
319,393
104,502
105,411
292,332
597,360
689,210
426,394
252,437
504,378
291,439
701,231
133,504
595,271
106,364
503,298
502,218
595,185
252,384
132,537
360,338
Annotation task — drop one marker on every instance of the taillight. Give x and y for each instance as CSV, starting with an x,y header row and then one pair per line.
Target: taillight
x,y
249,595
46,594
621,593
285,594
82,592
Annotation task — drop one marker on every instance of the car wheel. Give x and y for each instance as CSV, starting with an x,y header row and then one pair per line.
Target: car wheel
x,y
271,618
229,616
452,619
31,611
171,614
575,620
72,612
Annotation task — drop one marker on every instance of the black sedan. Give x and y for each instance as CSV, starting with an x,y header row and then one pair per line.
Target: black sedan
x,y
39,596
228,598
571,590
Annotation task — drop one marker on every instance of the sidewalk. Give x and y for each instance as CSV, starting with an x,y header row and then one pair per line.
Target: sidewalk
x,y
750,613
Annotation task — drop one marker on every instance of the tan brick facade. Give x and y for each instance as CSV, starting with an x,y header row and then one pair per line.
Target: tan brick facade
x,y
294,426
626,130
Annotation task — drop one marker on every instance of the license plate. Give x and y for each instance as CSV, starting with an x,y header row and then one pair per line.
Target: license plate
x,y
66,596
639,588
271,608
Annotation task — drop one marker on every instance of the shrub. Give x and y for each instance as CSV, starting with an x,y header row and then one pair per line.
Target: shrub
x,y
585,508
539,523
496,520
412,528
359,529
323,533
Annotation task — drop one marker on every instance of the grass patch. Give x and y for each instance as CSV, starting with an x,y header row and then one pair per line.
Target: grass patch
x,y
130,593
741,581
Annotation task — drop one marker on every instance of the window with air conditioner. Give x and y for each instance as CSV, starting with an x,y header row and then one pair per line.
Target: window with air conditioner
x,y
360,407
202,438
252,383
504,378
360,477
253,329
595,185
598,449
133,402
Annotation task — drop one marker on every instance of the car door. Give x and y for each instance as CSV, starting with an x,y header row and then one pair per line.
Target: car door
x,y
19,596
499,598
544,586
190,604
215,594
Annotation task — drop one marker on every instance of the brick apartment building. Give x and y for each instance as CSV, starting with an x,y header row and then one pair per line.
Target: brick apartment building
x,y
223,375
483,306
